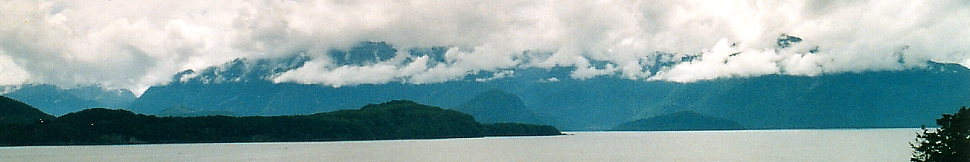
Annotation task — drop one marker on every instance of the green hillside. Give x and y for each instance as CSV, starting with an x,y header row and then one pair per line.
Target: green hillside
x,y
391,120
16,112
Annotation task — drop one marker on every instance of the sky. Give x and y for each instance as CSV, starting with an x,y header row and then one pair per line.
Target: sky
x,y
135,44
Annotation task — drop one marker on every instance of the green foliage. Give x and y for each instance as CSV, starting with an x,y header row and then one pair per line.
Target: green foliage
x,y
949,143
16,112
519,129
391,120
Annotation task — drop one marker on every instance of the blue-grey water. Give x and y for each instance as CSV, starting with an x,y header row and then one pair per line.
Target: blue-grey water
x,y
747,145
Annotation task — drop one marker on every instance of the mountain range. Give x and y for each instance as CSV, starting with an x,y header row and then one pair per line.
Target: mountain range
x,y
897,98
59,101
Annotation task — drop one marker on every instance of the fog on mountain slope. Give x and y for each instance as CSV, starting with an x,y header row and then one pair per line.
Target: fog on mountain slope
x,y
139,44
587,64
904,98
898,98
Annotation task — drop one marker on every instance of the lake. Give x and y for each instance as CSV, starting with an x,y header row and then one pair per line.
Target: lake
x,y
744,145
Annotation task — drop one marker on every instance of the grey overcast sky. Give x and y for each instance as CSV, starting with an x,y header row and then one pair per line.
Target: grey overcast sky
x,y
135,44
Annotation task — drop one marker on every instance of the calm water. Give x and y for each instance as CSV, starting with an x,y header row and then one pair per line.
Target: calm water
x,y
757,145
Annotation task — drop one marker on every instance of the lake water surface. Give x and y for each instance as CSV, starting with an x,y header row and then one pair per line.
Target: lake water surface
x,y
746,145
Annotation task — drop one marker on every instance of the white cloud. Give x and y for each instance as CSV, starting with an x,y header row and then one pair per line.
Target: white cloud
x,y
11,72
721,61
136,44
497,75
548,80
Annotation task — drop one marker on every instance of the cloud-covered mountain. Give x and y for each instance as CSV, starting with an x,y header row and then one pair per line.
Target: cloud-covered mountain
x,y
904,98
138,44
901,98
246,87
241,70
897,98
588,64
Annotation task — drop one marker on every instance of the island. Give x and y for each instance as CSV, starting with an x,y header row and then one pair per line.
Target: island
x,y
679,121
399,119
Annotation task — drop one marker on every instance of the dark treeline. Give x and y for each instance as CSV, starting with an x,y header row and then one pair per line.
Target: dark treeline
x,y
391,120
948,143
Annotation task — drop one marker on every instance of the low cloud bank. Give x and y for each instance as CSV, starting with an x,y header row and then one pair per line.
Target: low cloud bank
x,y
137,44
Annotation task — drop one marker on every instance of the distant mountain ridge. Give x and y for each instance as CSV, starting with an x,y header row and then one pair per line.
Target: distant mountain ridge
x,y
906,98
182,111
899,98
679,121
497,106
903,98
59,101
241,70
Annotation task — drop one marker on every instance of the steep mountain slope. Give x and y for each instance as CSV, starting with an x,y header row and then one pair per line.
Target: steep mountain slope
x,y
16,112
497,106
266,98
906,98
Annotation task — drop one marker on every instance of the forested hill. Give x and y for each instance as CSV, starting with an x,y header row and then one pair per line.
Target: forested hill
x,y
391,120
16,112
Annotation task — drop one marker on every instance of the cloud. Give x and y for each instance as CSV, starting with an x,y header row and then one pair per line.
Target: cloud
x,y
548,80
498,75
137,44
113,44
11,74
723,60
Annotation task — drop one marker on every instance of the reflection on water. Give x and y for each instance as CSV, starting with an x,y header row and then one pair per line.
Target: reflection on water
x,y
754,145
